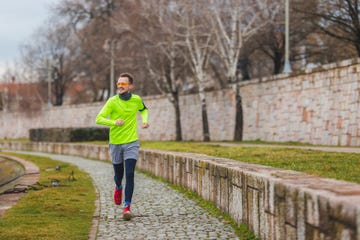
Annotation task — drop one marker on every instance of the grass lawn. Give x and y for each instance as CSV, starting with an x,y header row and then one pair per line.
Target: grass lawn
x,y
46,212
342,166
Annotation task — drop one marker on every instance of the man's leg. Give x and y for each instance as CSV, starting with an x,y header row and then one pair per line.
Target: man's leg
x,y
116,153
129,188
118,176
131,153
130,174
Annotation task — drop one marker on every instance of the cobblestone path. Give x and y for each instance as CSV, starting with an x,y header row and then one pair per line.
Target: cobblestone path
x,y
160,211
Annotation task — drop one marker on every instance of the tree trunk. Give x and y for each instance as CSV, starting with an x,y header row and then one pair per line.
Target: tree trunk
x,y
206,132
278,63
58,94
357,46
58,97
242,67
177,118
239,122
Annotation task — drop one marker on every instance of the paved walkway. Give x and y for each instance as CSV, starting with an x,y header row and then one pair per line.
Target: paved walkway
x,y
160,212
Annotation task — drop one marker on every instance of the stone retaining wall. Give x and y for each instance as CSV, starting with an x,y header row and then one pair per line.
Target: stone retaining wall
x,y
318,107
274,203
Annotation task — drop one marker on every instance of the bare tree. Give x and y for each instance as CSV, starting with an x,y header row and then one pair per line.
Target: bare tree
x,y
91,23
164,59
165,74
235,23
338,19
270,40
61,69
198,41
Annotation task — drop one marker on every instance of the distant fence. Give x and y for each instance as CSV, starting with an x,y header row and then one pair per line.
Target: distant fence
x,y
273,203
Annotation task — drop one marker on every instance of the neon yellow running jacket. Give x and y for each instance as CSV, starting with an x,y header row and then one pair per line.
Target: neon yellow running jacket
x,y
115,108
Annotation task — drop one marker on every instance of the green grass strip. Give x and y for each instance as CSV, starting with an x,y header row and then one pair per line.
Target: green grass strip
x,y
341,166
47,212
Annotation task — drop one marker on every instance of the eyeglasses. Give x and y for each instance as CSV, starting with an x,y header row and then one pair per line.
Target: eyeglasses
x,y
122,84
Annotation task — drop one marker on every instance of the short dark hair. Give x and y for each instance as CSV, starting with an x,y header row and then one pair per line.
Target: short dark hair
x,y
129,76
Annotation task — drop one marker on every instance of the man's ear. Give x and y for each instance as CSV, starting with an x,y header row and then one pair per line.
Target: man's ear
x,y
131,86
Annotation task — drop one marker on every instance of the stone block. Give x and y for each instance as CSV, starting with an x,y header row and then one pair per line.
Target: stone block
x,y
206,181
253,210
200,176
253,180
157,167
312,210
213,183
291,203
270,196
270,227
183,179
194,183
235,175
236,203
171,164
280,209
344,210
280,190
224,194
290,232
178,163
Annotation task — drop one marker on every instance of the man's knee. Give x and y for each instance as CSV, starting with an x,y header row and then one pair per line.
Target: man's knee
x,y
130,175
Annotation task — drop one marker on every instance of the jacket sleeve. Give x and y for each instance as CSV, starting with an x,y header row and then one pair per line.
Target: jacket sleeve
x,y
143,112
103,116
144,115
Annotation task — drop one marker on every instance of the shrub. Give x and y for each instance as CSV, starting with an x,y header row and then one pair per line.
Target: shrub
x,y
68,134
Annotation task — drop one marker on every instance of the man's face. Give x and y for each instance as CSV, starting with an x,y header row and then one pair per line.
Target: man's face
x,y
123,85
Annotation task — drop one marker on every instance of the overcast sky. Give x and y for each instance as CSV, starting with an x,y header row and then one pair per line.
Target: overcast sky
x,y
18,20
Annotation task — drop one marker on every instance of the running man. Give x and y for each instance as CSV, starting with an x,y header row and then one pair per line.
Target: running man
x,y
119,113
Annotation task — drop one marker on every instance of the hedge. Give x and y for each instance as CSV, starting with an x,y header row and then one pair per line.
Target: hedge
x,y
68,134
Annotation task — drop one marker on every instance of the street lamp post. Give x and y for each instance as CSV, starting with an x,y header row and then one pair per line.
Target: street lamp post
x,y
49,89
287,66
49,81
110,47
112,43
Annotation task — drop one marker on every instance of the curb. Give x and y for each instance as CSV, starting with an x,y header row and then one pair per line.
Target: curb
x,y
30,177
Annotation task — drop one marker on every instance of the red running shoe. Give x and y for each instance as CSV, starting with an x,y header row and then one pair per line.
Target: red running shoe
x,y
127,215
117,196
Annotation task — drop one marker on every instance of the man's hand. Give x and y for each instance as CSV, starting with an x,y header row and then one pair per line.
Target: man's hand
x,y
145,125
119,122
